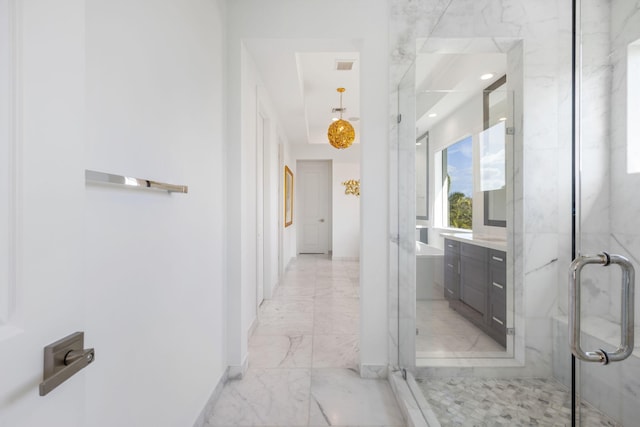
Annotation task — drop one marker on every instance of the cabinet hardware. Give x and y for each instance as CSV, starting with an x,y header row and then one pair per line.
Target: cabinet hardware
x,y
497,320
497,285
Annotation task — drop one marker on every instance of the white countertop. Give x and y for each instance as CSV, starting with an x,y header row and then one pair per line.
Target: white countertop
x,y
487,242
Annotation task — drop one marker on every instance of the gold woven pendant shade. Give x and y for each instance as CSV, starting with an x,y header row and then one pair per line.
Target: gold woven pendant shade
x,y
341,133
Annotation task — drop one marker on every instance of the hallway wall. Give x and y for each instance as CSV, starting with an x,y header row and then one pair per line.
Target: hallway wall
x,y
315,21
255,100
154,262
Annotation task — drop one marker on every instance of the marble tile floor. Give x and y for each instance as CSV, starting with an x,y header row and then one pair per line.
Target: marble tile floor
x,y
444,333
482,402
303,357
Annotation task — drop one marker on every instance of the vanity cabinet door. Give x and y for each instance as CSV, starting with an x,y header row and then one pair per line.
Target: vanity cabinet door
x,y
473,277
498,296
451,270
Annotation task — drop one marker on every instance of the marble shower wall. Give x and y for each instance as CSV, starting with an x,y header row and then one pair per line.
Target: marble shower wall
x,y
541,33
625,203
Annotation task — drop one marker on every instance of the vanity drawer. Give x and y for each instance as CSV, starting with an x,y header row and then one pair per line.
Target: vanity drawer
x,y
475,252
451,246
498,258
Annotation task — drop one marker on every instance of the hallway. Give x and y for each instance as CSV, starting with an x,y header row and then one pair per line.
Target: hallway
x,y
303,357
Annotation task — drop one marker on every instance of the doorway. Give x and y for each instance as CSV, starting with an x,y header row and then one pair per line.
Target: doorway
x,y
314,207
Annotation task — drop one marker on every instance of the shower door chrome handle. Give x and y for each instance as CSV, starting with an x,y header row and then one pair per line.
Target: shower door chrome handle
x,y
625,348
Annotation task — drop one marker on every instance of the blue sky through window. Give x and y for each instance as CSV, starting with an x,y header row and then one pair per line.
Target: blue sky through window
x,y
460,167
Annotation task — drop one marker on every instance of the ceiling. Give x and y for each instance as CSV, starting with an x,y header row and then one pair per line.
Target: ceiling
x,y
446,81
301,79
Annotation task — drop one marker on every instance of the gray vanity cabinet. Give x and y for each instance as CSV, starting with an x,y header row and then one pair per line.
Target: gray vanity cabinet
x,y
475,285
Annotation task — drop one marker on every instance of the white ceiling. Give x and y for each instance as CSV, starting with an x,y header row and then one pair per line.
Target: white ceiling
x,y
301,79
446,81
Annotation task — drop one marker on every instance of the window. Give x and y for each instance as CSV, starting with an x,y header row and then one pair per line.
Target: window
x,y
457,181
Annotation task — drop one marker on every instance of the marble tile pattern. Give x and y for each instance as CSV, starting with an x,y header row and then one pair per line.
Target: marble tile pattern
x,y
444,333
304,357
505,402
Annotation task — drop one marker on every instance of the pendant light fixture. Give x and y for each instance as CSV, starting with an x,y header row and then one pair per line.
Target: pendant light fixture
x,y
341,133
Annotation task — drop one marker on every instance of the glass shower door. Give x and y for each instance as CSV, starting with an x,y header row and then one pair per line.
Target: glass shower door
x,y
607,206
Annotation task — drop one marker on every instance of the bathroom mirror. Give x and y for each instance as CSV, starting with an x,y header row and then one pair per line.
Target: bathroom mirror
x,y
493,182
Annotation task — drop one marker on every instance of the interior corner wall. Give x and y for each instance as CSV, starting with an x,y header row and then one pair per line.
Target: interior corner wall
x,y
154,263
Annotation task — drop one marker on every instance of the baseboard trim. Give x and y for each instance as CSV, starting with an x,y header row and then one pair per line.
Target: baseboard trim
x,y
207,411
237,372
344,258
380,372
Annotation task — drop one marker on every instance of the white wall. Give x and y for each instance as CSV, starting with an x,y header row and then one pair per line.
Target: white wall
x,y
153,262
131,88
346,212
255,100
316,20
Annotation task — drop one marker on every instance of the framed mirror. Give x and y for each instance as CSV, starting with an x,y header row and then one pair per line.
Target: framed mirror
x,y
495,116
288,197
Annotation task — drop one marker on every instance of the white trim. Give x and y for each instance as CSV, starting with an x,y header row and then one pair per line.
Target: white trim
x,y
344,258
207,411
374,371
415,409
237,372
8,304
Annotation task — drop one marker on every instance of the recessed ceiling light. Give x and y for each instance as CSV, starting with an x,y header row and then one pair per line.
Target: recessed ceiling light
x,y
418,143
486,76
433,115
502,119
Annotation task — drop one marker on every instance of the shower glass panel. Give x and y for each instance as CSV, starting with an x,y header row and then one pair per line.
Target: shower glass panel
x,y
457,290
607,202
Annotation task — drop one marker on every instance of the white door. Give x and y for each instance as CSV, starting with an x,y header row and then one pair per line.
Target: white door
x,y
260,144
41,206
314,207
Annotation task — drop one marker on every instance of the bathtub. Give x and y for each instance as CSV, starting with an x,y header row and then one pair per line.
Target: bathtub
x,y
429,272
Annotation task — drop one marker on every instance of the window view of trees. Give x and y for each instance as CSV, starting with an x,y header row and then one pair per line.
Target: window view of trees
x,y
457,162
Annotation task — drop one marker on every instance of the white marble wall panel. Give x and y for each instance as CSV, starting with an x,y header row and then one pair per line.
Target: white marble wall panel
x,y
536,192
